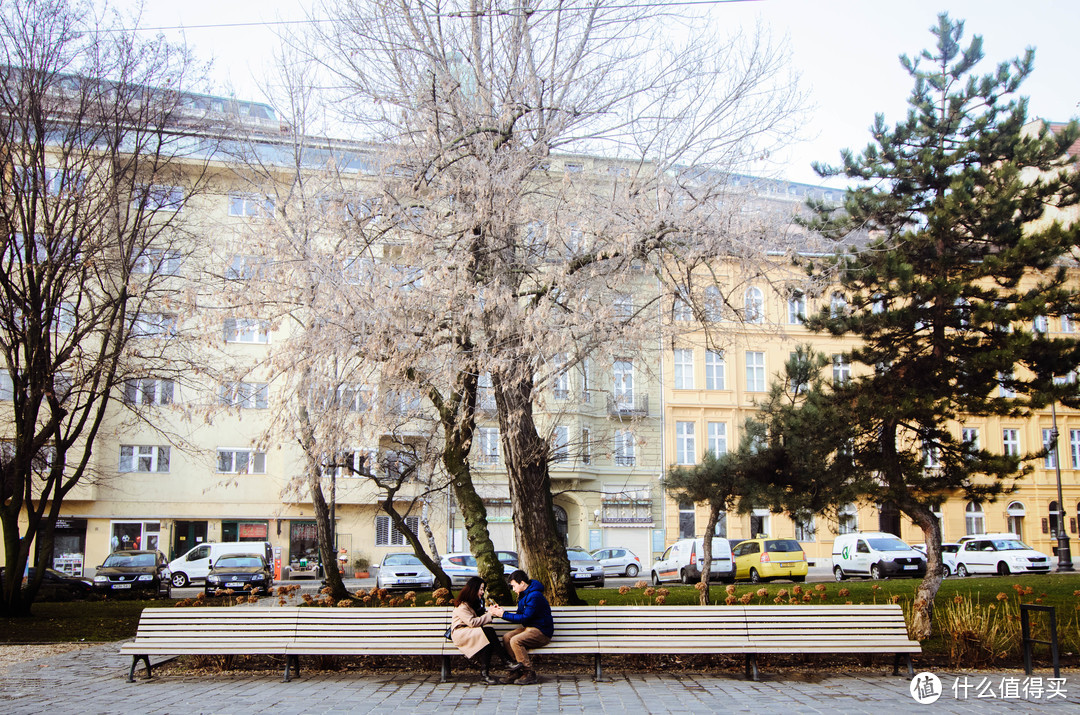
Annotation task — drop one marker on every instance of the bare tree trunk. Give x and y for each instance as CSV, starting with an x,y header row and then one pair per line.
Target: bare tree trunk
x,y
706,553
327,555
425,511
925,593
542,549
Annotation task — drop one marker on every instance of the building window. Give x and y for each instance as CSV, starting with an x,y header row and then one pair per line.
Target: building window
x,y
805,530
561,387
153,325
755,372
1040,324
144,458
685,451
489,445
561,441
156,262
681,311
624,448
623,373
714,305
1010,442
1005,381
586,445
387,533
7,386
754,305
251,205
931,455
1016,513
970,436
714,370
241,461
246,395
1049,444
759,523
1074,447
148,391
160,197
623,306
841,370
847,519
717,438
1067,324
974,520
687,527
247,330
837,305
796,308
684,369
245,268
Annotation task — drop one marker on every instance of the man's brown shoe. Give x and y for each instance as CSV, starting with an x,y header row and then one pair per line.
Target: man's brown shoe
x,y
528,678
516,673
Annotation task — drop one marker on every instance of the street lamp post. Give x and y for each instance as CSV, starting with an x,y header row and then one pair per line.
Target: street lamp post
x,y
1064,554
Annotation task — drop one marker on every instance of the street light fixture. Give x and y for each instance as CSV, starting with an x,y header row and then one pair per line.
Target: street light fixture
x,y
1064,554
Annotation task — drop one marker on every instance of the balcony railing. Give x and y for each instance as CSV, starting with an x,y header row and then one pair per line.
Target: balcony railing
x,y
623,406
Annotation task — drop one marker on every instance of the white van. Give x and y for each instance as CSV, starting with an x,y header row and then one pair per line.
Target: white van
x,y
876,554
684,560
195,564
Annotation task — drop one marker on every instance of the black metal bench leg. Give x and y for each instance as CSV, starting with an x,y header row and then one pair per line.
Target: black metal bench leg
x,y
598,667
444,673
292,663
751,666
135,661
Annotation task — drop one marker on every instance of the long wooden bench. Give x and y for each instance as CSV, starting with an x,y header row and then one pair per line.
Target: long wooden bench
x,y
591,630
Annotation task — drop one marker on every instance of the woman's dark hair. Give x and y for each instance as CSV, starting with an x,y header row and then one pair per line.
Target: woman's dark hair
x,y
470,594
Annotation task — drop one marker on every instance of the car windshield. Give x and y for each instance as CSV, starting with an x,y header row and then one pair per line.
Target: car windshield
x,y
782,545
1010,545
401,560
950,548
119,560
888,545
239,562
579,555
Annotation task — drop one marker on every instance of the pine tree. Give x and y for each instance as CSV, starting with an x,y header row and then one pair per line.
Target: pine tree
x,y
958,262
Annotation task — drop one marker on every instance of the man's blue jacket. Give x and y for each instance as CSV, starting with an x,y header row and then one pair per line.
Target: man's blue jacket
x,y
533,610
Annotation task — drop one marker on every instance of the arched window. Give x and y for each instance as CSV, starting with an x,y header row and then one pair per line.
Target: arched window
x,y
974,519
1015,513
755,305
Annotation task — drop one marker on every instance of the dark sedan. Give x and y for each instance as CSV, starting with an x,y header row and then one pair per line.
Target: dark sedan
x,y
57,586
239,572
129,571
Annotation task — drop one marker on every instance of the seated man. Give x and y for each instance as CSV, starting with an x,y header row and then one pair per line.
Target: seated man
x,y
535,626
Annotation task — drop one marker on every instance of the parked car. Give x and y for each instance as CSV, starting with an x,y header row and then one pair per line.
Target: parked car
x,y
876,554
760,560
510,558
462,566
948,556
684,560
584,569
129,571
618,561
403,571
57,586
1001,554
194,566
240,572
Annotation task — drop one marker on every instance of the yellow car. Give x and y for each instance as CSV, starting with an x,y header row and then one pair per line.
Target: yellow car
x,y
760,560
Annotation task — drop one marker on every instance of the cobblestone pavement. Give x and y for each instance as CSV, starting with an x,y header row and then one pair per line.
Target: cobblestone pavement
x,y
94,680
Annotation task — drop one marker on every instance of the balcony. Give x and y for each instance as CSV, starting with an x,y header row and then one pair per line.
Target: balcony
x,y
628,406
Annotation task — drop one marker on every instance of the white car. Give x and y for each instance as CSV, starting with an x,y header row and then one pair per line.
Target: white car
x,y
1002,554
618,561
403,571
948,556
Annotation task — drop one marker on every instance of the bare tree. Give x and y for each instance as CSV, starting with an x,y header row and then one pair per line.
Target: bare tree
x,y
514,242
99,153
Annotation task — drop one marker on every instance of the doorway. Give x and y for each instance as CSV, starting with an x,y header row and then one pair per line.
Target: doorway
x,y
186,536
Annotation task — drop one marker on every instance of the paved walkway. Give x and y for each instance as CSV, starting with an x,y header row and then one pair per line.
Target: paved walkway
x,y
94,680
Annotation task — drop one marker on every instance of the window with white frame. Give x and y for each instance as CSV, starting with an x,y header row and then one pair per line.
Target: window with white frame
x,y
684,369
7,386
805,529
755,371
240,461
837,304
931,455
714,370
847,519
153,325
387,533
160,197
681,311
148,391
244,268
489,445
685,449
1049,444
560,438
585,367
245,395
841,370
754,307
624,448
356,398
247,330
974,519
251,205
485,392
354,464
144,458
1005,388
717,436
1010,442
970,435
714,304
1040,324
1074,447
623,375
1067,324
158,262
623,305
561,386
796,308
687,519
586,445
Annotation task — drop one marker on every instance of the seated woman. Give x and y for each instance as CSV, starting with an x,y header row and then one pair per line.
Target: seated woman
x,y
469,628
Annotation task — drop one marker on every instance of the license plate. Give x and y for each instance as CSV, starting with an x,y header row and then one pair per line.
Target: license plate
x,y
230,584
582,575
788,564
121,585
910,568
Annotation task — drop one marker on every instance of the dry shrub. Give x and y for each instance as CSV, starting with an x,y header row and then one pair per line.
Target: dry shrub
x,y
977,635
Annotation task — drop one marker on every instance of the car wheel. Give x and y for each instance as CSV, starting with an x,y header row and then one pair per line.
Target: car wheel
x,y
655,579
961,571
875,572
838,574
755,577
179,579
684,576
1003,569
946,571
631,571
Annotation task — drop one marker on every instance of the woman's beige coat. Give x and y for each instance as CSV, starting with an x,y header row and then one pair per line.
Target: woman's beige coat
x,y
466,630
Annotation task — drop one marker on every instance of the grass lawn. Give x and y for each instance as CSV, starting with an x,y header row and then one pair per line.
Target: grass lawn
x,y
74,621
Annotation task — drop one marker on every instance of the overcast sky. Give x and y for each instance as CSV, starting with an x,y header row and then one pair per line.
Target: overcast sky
x,y
845,51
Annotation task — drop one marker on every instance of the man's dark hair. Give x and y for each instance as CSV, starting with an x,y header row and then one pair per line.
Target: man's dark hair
x,y
520,576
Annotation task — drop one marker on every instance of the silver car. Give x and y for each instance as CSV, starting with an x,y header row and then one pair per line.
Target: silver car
x,y
618,561
462,566
405,572
584,569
